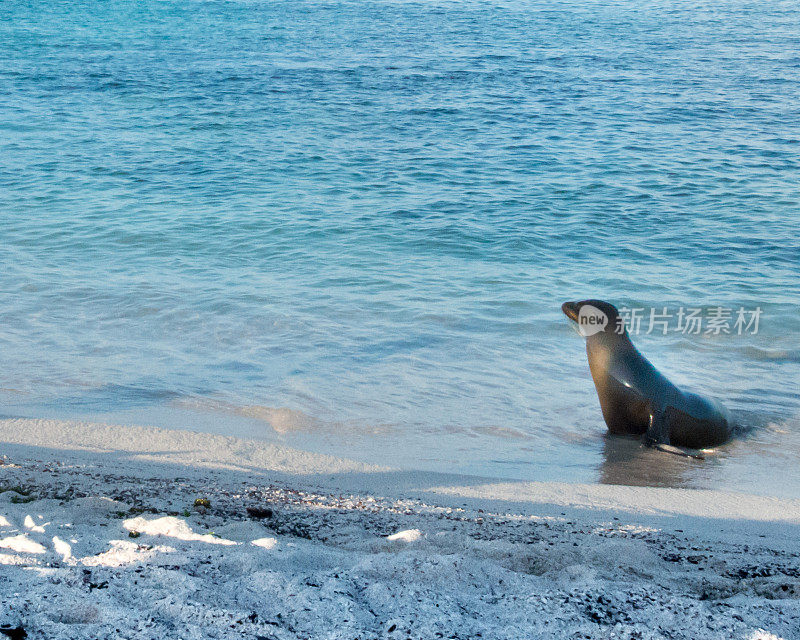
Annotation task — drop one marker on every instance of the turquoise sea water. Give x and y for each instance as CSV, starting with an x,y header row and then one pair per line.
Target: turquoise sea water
x,y
349,226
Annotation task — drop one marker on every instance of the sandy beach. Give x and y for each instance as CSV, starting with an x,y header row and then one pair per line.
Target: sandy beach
x,y
132,532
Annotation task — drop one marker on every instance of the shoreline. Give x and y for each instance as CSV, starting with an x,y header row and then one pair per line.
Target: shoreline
x,y
295,544
594,458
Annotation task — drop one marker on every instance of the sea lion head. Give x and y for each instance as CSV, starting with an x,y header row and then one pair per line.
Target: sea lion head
x,y
595,318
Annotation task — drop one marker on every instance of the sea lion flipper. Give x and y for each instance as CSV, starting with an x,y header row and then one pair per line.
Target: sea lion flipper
x,y
680,451
658,430
657,436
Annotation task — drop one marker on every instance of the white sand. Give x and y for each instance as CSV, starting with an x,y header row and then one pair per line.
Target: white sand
x,y
107,543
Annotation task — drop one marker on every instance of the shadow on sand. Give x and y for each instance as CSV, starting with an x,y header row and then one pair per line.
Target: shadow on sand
x,y
708,513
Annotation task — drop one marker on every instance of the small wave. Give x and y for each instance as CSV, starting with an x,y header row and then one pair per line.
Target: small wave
x,y
772,355
501,432
107,397
281,419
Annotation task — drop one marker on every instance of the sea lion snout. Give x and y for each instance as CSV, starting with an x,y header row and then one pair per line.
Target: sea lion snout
x,y
594,317
570,310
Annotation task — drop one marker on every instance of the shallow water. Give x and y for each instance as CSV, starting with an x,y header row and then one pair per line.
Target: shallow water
x,y
349,226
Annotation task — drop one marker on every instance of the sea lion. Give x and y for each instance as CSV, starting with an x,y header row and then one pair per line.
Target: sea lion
x,y
636,399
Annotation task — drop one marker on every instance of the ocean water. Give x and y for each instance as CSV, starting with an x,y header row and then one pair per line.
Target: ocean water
x,y
349,226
